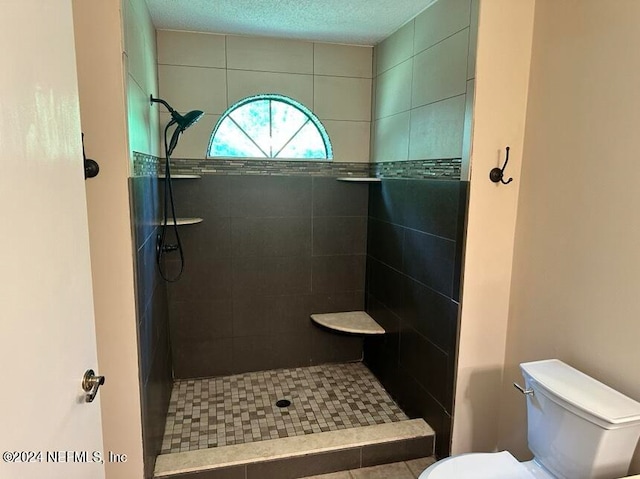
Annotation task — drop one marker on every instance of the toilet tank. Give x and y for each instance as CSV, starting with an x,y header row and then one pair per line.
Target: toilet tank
x,y
578,428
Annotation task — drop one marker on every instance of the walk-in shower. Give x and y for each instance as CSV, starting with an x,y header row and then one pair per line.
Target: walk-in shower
x,y
258,391
272,250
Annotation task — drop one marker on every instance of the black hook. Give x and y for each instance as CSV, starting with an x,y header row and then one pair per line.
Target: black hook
x,y
496,174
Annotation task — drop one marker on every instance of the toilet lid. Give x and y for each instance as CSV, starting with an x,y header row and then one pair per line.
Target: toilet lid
x,y
497,465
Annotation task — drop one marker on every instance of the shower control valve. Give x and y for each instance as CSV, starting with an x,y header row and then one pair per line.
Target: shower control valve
x,y
168,248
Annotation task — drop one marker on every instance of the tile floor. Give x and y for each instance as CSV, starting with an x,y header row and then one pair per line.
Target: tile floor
x,y
238,409
397,470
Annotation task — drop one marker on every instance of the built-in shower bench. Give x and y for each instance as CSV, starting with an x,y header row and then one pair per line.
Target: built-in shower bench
x,y
353,322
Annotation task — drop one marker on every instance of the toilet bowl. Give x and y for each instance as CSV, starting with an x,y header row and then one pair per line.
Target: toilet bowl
x,y
496,465
563,404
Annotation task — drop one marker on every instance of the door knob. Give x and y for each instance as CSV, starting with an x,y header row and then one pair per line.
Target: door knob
x,y
91,383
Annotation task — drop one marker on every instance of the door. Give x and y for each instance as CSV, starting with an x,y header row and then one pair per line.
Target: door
x,y
47,337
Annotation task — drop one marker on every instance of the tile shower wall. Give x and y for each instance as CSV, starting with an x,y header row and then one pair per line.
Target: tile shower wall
x,y
424,77
423,82
152,309
416,230
151,296
270,251
211,72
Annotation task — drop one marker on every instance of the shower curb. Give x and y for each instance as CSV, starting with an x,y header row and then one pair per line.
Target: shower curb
x,y
311,454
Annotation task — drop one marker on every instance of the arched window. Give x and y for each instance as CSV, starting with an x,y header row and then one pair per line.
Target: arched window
x,y
270,126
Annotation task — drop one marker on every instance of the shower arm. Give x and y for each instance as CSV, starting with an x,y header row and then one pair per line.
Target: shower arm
x,y
160,100
183,121
171,110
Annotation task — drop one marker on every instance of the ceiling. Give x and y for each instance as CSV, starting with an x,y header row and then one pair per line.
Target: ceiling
x,y
358,22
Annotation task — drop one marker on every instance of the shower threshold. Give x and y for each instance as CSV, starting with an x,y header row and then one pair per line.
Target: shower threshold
x,y
339,417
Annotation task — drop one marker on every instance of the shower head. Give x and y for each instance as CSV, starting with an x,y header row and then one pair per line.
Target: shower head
x,y
183,121
186,120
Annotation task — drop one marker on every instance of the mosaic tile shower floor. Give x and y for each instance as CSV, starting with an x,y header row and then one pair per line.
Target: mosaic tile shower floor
x,y
239,409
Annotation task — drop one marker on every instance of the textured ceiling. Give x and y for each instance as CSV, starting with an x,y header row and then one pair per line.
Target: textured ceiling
x,y
360,22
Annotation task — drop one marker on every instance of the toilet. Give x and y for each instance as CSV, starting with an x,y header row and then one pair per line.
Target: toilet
x,y
578,428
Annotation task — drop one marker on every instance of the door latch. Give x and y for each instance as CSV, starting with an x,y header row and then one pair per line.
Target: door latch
x,y
91,383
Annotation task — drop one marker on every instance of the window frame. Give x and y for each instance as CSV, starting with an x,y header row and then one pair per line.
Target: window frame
x,y
311,118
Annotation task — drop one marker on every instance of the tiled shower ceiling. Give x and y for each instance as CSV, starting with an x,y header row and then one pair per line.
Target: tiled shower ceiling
x,y
358,22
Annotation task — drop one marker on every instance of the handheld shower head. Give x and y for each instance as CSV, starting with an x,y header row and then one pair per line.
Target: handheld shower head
x,y
182,121
186,120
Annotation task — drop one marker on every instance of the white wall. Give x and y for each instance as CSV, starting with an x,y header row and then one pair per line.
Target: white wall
x,y
211,72
502,75
98,31
576,272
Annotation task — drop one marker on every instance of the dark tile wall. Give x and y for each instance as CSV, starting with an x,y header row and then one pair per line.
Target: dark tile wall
x,y
271,251
415,236
153,319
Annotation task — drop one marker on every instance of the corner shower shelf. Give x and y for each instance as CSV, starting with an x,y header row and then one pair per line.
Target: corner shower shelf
x,y
354,322
181,177
184,221
359,180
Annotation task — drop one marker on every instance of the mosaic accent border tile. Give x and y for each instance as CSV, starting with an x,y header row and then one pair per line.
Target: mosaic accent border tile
x,y
239,409
209,166
145,165
446,169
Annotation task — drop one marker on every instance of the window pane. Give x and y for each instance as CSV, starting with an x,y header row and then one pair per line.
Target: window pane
x,y
285,122
255,120
306,144
231,141
270,126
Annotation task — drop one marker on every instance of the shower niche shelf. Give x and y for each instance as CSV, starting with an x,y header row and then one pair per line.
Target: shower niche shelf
x,y
184,221
353,322
355,179
181,177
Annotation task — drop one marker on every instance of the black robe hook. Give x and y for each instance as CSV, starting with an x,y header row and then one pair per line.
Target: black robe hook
x,y
496,174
